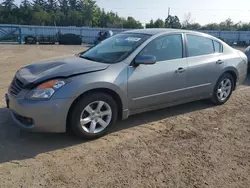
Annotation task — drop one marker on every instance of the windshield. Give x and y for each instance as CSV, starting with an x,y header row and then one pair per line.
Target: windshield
x,y
116,48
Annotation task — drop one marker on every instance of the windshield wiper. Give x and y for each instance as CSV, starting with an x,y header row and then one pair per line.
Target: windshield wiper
x,y
88,58
95,59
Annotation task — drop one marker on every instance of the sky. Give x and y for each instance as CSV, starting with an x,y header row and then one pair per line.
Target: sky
x,y
202,11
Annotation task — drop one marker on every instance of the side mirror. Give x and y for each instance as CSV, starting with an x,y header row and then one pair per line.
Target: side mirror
x,y
145,60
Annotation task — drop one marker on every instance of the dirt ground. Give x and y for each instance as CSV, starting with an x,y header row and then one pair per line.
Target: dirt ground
x,y
191,145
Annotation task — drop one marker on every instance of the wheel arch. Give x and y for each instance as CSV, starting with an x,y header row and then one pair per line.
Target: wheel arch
x,y
117,98
234,73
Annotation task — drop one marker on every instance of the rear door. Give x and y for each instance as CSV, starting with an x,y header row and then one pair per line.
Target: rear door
x,y
205,64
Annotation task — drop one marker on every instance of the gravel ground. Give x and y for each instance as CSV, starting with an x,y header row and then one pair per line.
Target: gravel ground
x,y
190,145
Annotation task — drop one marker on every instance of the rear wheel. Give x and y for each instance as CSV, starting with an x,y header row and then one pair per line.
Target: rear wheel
x,y
223,89
93,115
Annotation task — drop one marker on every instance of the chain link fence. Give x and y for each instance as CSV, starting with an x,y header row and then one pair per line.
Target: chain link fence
x,y
17,33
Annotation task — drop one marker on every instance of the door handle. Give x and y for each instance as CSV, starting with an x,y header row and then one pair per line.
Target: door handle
x,y
180,70
219,62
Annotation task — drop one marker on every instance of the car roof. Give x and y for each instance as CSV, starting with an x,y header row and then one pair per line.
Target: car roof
x,y
155,31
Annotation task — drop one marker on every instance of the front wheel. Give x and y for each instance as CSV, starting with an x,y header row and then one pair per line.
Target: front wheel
x,y
223,89
93,115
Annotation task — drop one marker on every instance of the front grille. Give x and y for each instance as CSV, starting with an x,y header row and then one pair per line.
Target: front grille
x,y
16,86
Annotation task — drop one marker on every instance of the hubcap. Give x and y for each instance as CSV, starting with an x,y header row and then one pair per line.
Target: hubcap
x,y
96,117
224,89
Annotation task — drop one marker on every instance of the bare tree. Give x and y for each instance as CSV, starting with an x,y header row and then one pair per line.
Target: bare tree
x,y
187,20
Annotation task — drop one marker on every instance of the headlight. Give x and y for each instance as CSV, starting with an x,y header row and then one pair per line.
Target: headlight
x,y
46,89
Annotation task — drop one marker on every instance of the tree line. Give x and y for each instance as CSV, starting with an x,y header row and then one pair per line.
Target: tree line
x,y
87,13
62,13
174,22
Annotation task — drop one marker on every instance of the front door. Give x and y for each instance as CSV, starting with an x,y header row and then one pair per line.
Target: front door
x,y
162,82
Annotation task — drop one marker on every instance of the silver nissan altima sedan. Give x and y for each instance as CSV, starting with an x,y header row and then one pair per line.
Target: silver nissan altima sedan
x,y
129,73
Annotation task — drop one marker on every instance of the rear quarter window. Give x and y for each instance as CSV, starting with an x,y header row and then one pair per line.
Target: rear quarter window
x,y
217,47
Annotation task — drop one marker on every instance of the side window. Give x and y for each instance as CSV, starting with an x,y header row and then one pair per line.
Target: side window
x,y
217,47
198,45
165,48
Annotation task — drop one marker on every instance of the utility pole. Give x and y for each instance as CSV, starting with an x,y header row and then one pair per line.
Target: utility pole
x,y
168,11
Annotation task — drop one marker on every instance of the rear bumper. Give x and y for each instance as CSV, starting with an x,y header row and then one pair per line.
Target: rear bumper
x,y
40,116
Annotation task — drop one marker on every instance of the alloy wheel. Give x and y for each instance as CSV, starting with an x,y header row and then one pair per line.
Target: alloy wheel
x,y
224,89
95,117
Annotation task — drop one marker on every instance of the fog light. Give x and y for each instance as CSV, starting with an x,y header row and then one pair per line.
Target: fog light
x,y
24,120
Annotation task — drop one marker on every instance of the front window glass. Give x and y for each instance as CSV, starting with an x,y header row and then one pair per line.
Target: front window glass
x,y
165,48
116,48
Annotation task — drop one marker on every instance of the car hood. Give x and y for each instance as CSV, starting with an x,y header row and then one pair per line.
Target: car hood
x,y
57,68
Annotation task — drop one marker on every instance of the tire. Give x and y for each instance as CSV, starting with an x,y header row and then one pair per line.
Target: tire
x,y
216,98
81,111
